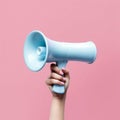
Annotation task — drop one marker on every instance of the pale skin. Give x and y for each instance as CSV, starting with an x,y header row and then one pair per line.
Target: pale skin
x,y
60,77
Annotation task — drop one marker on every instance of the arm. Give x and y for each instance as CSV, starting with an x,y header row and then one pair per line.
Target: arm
x,y
57,109
58,100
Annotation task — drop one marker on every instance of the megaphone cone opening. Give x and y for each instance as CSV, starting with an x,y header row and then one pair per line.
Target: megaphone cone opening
x,y
35,50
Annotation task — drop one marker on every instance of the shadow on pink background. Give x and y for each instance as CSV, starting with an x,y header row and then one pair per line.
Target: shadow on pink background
x,y
94,92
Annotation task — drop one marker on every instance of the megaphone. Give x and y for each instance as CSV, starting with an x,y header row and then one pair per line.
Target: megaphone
x,y
39,50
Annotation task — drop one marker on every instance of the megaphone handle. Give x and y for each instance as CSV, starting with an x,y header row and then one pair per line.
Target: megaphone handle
x,y
60,89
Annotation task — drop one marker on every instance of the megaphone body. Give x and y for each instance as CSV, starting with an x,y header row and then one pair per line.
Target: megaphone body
x,y
39,50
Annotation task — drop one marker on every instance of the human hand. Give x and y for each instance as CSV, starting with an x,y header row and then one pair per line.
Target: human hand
x,y
59,77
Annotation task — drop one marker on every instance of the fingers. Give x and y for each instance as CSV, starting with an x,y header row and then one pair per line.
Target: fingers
x,y
61,74
58,76
66,73
55,69
54,81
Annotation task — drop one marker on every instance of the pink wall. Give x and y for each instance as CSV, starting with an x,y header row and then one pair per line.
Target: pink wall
x,y
94,92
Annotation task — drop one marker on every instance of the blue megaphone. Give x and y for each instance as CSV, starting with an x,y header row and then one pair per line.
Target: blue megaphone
x,y
39,50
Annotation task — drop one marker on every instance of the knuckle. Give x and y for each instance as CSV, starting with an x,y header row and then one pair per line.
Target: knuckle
x,y
53,66
52,75
47,81
55,81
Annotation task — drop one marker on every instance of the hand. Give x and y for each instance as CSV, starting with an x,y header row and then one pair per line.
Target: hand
x,y
60,77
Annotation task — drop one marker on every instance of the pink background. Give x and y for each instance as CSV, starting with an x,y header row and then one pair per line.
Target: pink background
x,y
94,92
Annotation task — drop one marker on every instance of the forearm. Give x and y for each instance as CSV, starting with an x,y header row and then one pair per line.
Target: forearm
x,y
57,109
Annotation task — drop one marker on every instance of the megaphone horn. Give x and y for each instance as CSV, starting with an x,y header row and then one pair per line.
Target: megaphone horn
x,y
39,50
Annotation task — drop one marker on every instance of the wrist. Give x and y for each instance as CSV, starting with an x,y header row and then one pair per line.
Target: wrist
x,y
59,97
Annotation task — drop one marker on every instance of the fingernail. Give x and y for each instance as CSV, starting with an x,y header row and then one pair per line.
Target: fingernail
x,y
62,83
64,78
63,68
61,72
